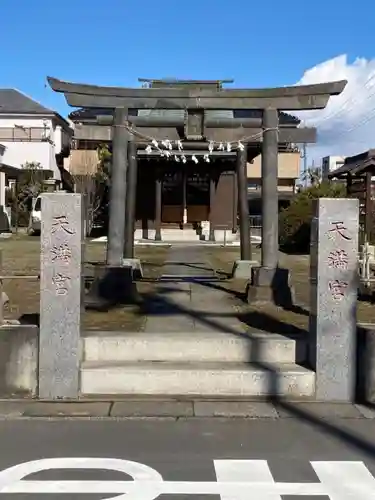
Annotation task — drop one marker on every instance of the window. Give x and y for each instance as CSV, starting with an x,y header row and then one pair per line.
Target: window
x,y
22,134
38,205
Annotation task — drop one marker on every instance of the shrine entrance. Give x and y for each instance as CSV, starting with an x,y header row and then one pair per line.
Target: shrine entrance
x,y
185,193
171,195
197,206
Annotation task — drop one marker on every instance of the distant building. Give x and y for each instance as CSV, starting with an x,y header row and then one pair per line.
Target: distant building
x,y
30,132
330,164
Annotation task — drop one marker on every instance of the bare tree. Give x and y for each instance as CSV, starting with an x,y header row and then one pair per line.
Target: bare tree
x,y
91,178
28,186
313,176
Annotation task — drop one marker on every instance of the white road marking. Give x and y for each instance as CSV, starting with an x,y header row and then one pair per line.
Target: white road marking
x,y
236,479
244,471
346,480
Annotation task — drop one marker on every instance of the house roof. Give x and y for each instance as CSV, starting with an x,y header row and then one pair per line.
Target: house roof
x,y
357,164
13,101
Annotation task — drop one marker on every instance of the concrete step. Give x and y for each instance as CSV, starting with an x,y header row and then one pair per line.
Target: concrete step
x,y
193,347
198,379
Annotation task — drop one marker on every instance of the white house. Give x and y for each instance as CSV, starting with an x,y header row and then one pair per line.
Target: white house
x,y
331,163
29,132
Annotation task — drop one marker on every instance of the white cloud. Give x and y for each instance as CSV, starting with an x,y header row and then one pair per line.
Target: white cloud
x,y
347,125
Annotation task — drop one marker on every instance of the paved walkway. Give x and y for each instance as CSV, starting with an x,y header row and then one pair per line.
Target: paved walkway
x,y
190,297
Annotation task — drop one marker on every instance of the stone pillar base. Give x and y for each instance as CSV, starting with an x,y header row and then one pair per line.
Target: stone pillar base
x,y
270,285
136,265
112,286
242,269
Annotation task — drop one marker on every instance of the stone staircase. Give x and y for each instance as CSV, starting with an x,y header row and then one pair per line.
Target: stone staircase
x,y
193,344
195,364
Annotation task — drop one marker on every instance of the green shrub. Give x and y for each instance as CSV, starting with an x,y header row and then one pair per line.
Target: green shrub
x,y
295,220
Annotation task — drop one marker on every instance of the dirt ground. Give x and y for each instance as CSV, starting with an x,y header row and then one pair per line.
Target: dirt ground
x,y
21,255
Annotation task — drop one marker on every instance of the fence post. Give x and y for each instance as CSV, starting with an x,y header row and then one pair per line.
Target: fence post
x,y
61,285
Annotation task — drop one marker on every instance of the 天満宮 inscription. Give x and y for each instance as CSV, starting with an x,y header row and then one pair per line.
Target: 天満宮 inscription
x,y
61,223
334,275
61,282
337,289
61,253
339,229
338,259
61,295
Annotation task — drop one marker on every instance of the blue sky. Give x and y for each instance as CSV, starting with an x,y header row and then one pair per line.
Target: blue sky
x,y
113,42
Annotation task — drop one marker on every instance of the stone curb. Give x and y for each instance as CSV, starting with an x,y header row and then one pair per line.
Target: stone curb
x,y
175,409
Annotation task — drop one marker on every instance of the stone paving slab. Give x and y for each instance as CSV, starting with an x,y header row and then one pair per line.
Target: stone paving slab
x,y
319,410
191,306
182,408
211,323
234,409
153,409
169,323
35,408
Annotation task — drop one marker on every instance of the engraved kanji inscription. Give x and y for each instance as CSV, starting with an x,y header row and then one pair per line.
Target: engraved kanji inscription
x,y
61,223
61,253
61,282
337,289
338,259
339,228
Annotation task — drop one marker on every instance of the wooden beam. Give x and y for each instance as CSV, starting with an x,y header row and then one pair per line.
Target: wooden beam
x,y
286,134
287,103
330,88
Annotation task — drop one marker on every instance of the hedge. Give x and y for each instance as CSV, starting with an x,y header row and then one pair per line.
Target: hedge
x,y
295,220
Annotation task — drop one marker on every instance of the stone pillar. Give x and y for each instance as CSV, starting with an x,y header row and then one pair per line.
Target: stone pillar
x,y
158,202
242,268
61,293
269,282
212,196
116,230
243,205
334,289
270,199
131,199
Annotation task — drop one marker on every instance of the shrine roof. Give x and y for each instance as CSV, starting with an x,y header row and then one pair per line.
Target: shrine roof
x,y
356,165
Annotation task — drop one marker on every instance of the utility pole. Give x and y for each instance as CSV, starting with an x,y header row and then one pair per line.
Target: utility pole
x,y
303,155
305,163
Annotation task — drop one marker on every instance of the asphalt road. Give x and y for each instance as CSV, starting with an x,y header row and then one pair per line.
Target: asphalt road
x,y
184,451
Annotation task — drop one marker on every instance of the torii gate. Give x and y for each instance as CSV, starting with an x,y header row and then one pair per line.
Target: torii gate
x,y
206,96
